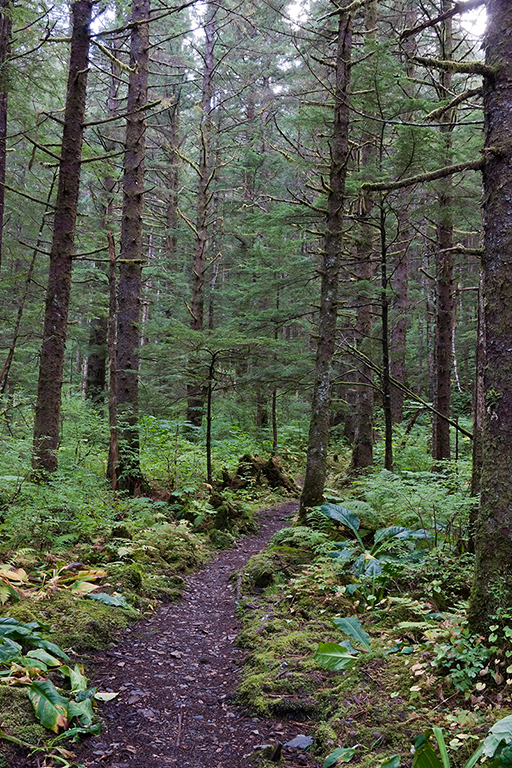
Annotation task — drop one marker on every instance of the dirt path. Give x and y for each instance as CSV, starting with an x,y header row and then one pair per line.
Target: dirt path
x,y
177,673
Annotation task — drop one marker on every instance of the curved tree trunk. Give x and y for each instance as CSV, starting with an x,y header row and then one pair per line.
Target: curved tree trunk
x,y
316,465
51,366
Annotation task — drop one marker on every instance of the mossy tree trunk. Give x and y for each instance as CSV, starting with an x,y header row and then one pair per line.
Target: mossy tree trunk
x,y
316,465
492,588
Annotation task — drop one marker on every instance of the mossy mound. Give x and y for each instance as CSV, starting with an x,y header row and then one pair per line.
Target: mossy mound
x,y
79,624
17,718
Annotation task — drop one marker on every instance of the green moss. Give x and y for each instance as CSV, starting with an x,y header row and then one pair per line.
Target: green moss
x,y
221,539
82,624
325,739
17,717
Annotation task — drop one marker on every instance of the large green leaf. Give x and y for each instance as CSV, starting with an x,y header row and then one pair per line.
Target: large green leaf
x,y
76,676
394,532
425,757
340,755
49,706
475,757
119,601
438,733
42,655
9,650
500,731
9,627
82,710
392,762
351,626
333,656
47,645
341,515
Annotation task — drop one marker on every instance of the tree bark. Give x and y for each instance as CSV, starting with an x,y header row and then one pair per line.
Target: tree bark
x,y
492,587
479,394
113,453
196,389
362,454
129,475
97,361
386,373
444,272
51,366
316,463
5,44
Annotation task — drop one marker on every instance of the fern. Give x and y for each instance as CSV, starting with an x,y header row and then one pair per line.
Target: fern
x,y
318,521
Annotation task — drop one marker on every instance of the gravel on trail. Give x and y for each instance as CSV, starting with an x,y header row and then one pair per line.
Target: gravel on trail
x,y
176,675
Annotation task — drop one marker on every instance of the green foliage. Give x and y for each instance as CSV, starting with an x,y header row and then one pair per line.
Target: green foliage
x,y
463,659
32,668
439,504
375,564
340,656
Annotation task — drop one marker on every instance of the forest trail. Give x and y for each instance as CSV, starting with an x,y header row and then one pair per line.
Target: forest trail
x,y
176,674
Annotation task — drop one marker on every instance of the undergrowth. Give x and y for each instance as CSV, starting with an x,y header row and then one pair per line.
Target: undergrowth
x,y
393,557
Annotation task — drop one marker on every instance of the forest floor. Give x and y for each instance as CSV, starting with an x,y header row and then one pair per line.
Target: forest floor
x,y
176,674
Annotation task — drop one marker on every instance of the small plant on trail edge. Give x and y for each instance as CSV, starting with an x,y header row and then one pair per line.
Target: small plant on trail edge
x,y
494,752
338,656
373,566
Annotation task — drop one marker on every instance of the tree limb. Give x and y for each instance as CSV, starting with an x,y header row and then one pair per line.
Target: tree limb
x,y
457,67
437,113
457,8
396,383
440,173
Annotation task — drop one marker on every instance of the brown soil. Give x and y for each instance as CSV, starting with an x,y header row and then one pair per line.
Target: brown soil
x,y
176,674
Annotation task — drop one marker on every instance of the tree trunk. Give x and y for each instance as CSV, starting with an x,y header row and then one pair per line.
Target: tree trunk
x,y
479,394
362,454
400,306
385,378
113,454
129,475
316,464
98,340
492,587
51,366
444,270
5,44
400,282
196,389
97,361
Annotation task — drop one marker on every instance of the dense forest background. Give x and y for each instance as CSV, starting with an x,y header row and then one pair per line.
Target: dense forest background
x,y
239,117
241,241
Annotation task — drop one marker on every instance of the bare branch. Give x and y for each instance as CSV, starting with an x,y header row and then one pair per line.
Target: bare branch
x,y
437,113
457,8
